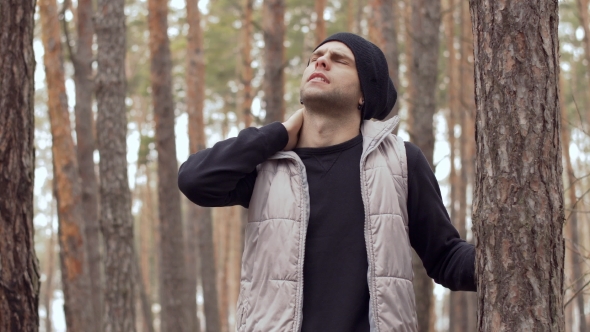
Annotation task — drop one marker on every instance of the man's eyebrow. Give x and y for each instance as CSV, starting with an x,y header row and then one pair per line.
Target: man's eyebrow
x,y
336,53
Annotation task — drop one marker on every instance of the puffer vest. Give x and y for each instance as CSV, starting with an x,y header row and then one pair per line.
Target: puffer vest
x,y
271,288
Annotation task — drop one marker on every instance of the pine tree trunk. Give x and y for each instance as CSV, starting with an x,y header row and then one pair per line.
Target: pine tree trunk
x,y
383,32
518,201
585,23
424,71
74,268
246,65
173,284
85,132
19,275
47,286
274,54
320,23
116,221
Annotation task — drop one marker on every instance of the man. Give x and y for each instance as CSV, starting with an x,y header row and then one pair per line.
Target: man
x,y
335,201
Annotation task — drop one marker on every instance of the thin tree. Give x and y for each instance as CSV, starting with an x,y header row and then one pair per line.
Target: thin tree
x,y
85,144
173,285
200,235
246,65
273,26
116,220
74,268
518,201
384,33
583,16
19,276
320,23
424,70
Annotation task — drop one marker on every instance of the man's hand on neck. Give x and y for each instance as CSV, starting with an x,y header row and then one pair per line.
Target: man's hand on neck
x,y
293,126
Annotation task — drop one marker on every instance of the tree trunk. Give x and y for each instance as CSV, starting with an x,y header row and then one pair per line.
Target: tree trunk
x,y
518,201
74,268
85,132
116,220
274,53
173,284
47,286
383,32
320,23
19,275
195,86
424,71
585,23
246,66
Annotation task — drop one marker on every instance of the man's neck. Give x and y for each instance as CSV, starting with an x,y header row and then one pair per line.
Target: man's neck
x,y
320,130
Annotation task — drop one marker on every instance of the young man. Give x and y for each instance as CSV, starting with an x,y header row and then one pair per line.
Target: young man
x,y
335,201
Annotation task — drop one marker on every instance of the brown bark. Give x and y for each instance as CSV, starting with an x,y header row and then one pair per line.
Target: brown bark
x,y
383,32
246,66
173,283
273,26
116,220
221,231
74,268
195,100
145,303
85,132
19,276
518,202
585,23
320,23
350,21
424,70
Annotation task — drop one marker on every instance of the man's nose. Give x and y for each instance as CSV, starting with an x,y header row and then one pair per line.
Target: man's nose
x,y
322,62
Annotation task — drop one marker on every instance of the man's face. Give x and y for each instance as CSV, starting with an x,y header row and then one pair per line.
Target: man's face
x,y
331,81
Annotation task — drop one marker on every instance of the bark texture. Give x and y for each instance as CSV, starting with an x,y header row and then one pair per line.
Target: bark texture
x,y
116,220
74,268
320,23
273,26
246,66
518,202
19,275
383,32
195,86
424,70
173,285
85,132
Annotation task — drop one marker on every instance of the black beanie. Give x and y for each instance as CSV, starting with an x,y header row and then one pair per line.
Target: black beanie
x,y
376,85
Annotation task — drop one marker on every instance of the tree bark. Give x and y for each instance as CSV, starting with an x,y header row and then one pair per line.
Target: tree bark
x,y
116,220
85,132
274,54
320,23
424,71
74,268
585,23
19,276
246,66
47,286
383,32
173,284
518,202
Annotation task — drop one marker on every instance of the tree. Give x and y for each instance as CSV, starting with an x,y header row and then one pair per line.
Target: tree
x,y
273,26
116,220
173,285
82,61
320,23
518,201
74,268
246,66
19,276
424,71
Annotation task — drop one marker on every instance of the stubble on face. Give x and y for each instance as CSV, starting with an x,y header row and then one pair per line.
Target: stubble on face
x,y
339,97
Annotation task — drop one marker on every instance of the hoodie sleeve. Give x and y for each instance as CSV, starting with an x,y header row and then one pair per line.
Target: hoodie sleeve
x,y
448,259
225,174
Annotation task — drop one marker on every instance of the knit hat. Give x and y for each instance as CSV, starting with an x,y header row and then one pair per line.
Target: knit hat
x,y
376,85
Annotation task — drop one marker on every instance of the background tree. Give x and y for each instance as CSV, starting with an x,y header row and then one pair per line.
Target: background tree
x,y
274,53
173,285
518,203
115,205
74,268
20,300
424,71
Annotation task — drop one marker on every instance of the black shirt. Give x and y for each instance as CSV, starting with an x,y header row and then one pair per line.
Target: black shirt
x,y
225,175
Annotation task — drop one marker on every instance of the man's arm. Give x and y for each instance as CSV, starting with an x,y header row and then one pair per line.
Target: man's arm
x,y
448,259
225,174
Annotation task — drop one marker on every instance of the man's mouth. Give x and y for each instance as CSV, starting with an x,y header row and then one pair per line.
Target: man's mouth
x,y
318,77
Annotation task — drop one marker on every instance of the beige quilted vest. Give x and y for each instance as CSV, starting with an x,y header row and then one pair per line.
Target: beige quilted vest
x,y
271,291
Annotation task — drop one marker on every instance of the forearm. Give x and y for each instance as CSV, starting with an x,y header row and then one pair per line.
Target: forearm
x,y
224,174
